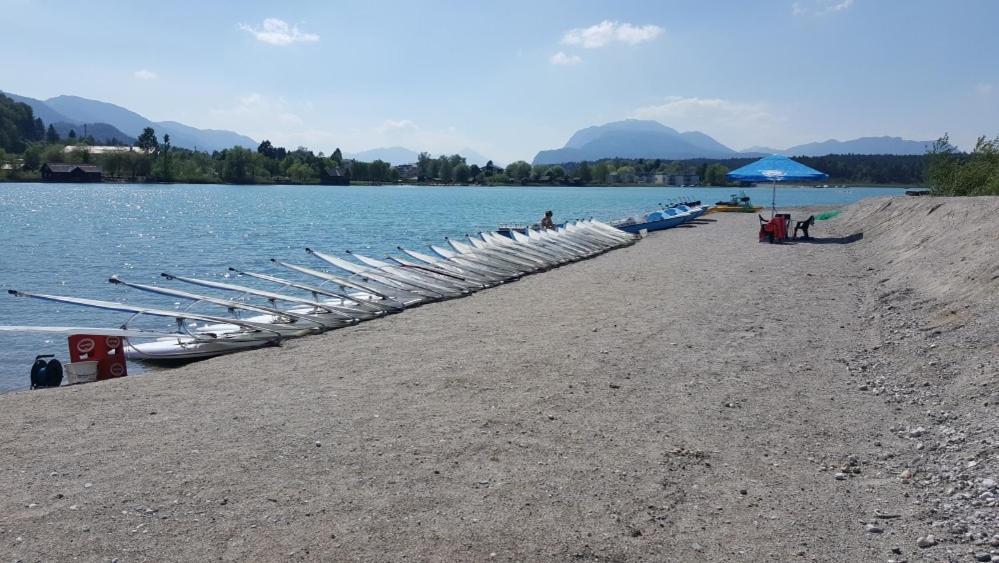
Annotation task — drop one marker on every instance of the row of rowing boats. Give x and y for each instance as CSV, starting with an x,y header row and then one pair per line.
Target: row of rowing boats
x,y
663,218
358,289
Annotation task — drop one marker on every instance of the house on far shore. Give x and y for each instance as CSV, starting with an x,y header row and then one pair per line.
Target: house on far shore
x,y
334,176
408,172
58,172
101,149
677,179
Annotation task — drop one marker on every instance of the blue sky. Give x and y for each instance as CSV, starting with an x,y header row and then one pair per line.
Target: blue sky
x,y
510,78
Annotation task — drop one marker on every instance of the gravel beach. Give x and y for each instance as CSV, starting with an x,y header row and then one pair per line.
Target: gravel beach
x,y
696,396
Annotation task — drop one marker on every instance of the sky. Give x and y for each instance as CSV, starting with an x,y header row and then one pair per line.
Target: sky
x,y
513,77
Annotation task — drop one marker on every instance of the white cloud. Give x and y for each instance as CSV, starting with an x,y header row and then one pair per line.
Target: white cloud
x,y
820,7
279,32
607,32
145,74
984,89
391,125
735,123
260,115
561,58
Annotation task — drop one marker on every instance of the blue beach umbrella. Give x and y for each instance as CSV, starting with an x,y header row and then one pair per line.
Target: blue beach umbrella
x,y
776,168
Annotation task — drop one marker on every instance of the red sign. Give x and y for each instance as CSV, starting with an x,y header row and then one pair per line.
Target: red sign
x,y
107,351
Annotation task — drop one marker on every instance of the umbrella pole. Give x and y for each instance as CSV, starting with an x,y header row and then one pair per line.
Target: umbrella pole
x,y
773,200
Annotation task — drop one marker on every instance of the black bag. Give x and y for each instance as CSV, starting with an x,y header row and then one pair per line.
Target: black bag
x,y
46,374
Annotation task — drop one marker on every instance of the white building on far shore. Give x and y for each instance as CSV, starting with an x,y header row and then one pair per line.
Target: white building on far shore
x,y
98,149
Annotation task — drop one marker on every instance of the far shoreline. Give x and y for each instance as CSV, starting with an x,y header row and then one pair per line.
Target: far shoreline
x,y
468,185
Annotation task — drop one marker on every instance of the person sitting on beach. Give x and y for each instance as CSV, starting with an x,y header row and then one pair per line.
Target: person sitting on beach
x,y
546,221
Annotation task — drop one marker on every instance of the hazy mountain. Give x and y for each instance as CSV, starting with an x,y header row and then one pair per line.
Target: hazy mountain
x,y
202,139
402,155
98,115
40,109
474,157
863,145
761,150
633,138
101,132
392,155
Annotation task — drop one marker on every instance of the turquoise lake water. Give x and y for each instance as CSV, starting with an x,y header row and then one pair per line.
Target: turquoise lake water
x,y
68,239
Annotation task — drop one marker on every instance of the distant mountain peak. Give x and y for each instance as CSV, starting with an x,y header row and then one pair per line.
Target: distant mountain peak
x,y
634,138
124,124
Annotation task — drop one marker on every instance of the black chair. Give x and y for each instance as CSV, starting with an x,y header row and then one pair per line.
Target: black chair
x,y
804,225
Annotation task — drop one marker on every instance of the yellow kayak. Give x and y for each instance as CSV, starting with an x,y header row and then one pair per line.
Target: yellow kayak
x,y
735,209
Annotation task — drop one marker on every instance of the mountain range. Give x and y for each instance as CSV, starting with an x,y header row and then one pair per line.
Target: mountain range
x,y
630,138
862,145
402,155
105,121
634,138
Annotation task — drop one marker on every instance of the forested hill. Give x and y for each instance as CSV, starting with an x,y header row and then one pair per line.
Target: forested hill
x,y
18,125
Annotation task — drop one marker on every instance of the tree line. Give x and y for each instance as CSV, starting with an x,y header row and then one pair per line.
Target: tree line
x,y
950,172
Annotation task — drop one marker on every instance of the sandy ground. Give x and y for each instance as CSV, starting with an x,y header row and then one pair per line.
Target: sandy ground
x,y
697,396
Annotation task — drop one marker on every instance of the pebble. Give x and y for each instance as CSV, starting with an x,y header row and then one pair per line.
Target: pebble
x,y
984,557
907,474
926,541
840,476
988,483
873,529
318,444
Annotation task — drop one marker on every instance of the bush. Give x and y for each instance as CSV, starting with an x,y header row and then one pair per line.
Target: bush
x,y
952,173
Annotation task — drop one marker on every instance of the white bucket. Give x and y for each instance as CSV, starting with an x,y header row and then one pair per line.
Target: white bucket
x,y
81,372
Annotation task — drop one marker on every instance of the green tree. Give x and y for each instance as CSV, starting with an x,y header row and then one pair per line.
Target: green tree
x,y
114,163
556,172
238,166
600,173
518,170
33,157
444,169
951,173
51,135
380,171
18,126
267,149
72,135
715,175
585,174
163,169
461,173
337,156
302,173
147,140
423,166
360,171
81,155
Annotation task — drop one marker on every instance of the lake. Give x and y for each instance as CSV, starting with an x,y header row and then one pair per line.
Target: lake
x,y
67,239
